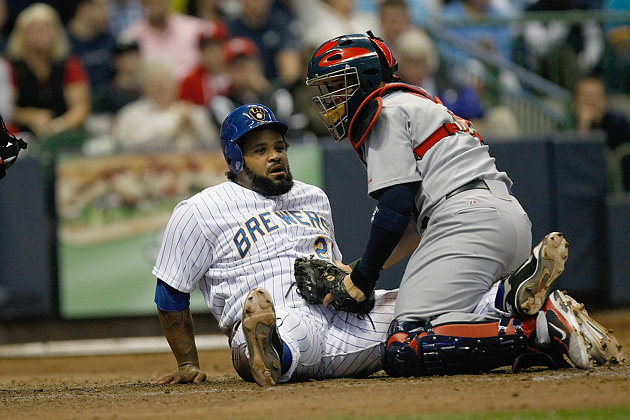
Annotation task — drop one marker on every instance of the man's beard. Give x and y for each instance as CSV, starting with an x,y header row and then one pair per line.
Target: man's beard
x,y
265,186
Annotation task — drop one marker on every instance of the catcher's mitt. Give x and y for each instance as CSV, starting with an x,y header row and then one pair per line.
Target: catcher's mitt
x,y
316,278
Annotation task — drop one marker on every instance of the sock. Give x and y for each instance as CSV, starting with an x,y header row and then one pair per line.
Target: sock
x,y
498,301
287,358
542,330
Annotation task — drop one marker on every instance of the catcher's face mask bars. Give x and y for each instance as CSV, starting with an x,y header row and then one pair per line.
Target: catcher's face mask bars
x,y
336,89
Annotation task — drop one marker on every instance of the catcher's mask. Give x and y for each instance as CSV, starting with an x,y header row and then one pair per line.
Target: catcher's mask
x,y
10,147
241,121
346,70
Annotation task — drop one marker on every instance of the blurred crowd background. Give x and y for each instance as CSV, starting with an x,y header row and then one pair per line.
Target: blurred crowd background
x,y
107,76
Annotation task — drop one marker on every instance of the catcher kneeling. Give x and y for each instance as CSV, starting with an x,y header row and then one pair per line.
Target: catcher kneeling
x,y
467,302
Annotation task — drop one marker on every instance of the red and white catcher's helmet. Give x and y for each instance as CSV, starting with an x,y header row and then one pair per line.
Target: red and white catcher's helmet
x,y
346,70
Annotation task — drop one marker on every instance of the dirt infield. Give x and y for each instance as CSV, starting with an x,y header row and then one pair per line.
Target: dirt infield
x,y
119,387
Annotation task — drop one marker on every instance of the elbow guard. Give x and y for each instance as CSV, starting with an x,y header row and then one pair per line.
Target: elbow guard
x,y
394,208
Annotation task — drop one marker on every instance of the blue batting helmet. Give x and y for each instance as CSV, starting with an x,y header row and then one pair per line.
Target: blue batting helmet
x,y
241,121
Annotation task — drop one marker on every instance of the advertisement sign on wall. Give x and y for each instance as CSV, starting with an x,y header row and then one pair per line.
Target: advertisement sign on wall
x,y
112,211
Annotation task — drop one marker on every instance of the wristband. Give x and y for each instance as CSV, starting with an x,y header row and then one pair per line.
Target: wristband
x,y
363,282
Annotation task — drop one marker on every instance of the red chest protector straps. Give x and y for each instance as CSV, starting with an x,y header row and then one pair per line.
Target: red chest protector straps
x,y
370,109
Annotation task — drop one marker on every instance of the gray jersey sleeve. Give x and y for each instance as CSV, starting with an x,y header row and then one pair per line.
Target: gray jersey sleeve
x,y
388,151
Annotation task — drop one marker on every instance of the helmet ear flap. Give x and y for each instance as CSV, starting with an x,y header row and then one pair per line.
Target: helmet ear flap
x,y
370,80
234,157
388,62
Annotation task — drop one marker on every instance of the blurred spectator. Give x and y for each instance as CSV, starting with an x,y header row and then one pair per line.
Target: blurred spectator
x,y
322,20
418,63
7,101
591,111
3,20
421,12
91,40
511,7
158,120
558,50
209,78
417,59
460,89
616,61
123,14
494,37
64,9
206,9
124,87
276,35
168,35
248,83
394,19
52,87
309,114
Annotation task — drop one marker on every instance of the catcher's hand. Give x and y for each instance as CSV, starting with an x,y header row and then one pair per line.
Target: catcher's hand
x,y
316,278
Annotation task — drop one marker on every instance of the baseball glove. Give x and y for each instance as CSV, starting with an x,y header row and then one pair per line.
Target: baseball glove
x,y
316,278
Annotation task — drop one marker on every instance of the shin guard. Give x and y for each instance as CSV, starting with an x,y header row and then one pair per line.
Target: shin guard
x,y
413,350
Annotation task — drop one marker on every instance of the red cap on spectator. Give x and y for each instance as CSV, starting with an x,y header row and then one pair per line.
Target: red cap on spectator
x,y
239,47
215,31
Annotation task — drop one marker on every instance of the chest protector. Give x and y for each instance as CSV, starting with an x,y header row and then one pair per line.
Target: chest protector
x,y
369,110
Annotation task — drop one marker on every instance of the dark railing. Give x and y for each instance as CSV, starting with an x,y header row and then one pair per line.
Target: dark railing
x,y
541,106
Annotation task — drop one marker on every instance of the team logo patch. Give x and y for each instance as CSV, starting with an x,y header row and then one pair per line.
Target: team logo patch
x,y
258,113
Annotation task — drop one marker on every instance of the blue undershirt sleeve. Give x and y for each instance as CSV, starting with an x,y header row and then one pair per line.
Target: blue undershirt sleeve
x,y
389,222
170,299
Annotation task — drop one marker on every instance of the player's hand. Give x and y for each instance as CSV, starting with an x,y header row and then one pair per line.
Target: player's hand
x,y
185,375
352,290
41,122
343,266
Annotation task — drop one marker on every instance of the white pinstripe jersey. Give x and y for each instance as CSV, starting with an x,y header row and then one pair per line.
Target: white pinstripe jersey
x,y
229,240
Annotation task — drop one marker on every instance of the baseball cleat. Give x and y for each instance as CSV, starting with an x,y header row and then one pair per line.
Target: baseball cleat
x,y
584,340
603,345
527,288
263,340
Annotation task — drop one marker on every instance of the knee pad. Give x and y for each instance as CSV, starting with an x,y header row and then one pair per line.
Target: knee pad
x,y
400,356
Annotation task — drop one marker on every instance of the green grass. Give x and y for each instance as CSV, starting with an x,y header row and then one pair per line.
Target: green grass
x,y
614,413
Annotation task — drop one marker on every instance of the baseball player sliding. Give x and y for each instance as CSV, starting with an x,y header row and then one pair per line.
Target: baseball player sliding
x,y
428,166
238,242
